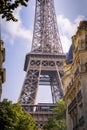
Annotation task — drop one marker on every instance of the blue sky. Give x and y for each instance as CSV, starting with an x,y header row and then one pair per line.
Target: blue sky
x,y
18,39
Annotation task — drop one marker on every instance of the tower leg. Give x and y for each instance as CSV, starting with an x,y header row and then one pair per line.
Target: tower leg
x,y
29,91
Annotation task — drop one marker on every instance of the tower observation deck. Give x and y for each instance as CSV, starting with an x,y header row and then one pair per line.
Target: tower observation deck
x,y
43,65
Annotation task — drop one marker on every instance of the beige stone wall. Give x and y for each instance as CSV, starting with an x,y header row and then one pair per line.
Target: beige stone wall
x,y
67,77
84,91
75,81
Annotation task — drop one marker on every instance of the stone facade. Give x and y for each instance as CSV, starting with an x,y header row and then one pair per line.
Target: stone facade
x,y
75,81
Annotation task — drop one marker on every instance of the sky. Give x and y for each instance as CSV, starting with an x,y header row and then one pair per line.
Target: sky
x,y
17,39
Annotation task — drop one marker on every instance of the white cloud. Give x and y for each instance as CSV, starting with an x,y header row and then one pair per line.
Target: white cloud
x,y
67,29
66,42
15,30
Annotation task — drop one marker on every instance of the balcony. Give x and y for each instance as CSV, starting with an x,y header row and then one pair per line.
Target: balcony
x,y
72,105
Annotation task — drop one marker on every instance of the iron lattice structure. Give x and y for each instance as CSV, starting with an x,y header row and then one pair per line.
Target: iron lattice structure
x,y
44,63
46,37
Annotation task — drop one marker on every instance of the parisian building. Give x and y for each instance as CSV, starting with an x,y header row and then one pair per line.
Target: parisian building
x,y
75,80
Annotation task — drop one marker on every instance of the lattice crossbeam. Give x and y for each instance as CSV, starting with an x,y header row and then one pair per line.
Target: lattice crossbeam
x,y
46,37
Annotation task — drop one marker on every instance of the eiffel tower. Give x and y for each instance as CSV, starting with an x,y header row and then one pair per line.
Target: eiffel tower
x,y
43,65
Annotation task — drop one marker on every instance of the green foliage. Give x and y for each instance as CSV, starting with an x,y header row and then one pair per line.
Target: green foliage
x,y
58,122
60,110
51,124
7,8
12,117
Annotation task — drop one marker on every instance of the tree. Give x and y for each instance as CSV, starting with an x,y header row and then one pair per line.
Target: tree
x,y
7,8
60,110
12,117
58,122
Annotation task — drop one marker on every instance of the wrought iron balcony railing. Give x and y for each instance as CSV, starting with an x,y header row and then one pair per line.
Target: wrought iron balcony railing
x,y
72,105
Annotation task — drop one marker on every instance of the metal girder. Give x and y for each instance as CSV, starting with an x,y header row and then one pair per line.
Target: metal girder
x,y
42,71
28,93
46,38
